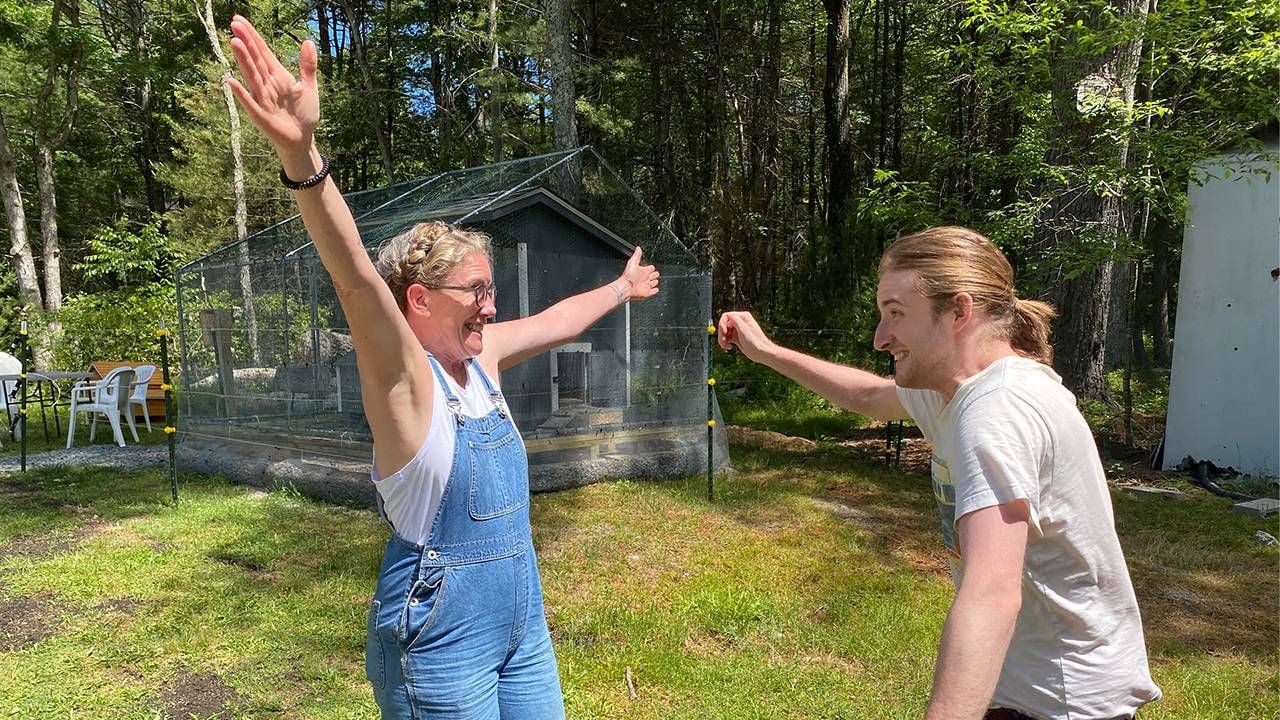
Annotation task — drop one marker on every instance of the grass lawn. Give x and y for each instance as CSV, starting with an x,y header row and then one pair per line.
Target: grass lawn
x,y
47,434
814,587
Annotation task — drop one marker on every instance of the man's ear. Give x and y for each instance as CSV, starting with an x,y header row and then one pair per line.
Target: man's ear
x,y
961,309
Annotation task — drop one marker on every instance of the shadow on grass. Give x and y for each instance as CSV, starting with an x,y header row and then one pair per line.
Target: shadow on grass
x,y
1201,586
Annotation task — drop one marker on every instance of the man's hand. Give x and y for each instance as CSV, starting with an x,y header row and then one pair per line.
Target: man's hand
x,y
738,329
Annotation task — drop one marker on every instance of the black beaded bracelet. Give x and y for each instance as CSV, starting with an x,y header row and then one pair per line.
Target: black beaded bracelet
x,y
310,182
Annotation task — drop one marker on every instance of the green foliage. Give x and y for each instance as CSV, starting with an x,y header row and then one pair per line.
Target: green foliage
x,y
1150,399
116,325
715,116
120,257
202,170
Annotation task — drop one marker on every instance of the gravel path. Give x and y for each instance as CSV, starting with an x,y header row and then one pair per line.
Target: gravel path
x,y
130,457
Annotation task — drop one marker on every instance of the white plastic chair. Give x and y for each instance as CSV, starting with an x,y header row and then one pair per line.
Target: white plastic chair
x,y
109,397
139,395
10,365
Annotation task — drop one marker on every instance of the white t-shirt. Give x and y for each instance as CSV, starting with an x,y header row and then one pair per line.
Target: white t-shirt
x,y
411,495
1013,432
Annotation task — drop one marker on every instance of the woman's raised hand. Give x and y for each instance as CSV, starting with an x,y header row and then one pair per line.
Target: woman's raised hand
x,y
285,109
643,279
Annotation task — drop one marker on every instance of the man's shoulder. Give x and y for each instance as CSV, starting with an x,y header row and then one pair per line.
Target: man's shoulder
x,y
1017,380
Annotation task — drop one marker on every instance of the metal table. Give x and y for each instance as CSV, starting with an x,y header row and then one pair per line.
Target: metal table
x,y
39,378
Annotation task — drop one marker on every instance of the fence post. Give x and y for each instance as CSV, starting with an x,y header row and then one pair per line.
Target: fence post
x,y
22,390
169,421
711,418
893,432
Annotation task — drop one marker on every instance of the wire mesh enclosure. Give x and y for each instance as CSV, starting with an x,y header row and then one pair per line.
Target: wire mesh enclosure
x,y
268,367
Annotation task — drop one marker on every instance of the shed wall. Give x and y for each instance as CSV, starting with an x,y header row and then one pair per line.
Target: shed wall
x,y
1224,391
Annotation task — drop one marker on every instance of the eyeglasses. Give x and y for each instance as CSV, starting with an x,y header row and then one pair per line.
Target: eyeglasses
x,y
480,291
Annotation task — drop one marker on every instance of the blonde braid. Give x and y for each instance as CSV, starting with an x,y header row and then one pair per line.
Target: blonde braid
x,y
426,254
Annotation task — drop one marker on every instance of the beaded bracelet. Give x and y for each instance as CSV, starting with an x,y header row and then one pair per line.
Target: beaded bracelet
x,y
310,182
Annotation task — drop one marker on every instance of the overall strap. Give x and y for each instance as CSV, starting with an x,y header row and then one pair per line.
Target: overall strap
x,y
495,394
455,405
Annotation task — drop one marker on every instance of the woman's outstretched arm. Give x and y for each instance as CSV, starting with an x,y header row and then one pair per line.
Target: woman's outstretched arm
x,y
515,341
393,374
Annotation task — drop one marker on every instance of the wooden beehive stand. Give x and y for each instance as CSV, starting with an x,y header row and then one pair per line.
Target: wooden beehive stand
x,y
155,396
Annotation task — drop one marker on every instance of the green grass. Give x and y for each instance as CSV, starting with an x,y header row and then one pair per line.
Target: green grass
x,y
813,587
56,439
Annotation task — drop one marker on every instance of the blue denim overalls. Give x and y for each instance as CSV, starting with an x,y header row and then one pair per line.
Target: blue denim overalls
x,y
457,628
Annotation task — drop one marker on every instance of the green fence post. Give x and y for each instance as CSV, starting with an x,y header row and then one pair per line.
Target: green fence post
x,y
22,390
711,418
169,421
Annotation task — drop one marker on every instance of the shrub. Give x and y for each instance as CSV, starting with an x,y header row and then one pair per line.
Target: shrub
x,y
116,325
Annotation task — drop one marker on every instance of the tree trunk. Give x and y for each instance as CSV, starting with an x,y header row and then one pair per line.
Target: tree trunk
x,y
47,142
836,115
49,227
377,120
1120,318
149,148
323,42
237,180
902,30
560,54
811,169
441,87
564,123
1160,234
1076,218
20,257
495,92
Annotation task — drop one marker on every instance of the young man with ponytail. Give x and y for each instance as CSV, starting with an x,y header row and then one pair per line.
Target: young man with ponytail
x,y
1044,624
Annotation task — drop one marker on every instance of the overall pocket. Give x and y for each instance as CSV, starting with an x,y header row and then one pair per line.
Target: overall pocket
x,y
422,607
499,477
374,662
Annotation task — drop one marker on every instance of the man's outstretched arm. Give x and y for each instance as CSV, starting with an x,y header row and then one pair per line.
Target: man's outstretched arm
x,y
858,390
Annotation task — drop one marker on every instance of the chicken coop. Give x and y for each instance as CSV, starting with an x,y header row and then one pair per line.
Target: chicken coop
x,y
269,387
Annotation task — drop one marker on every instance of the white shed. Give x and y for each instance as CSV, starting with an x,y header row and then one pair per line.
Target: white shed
x,y
1224,391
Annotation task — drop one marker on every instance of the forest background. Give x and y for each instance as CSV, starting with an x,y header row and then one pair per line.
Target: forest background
x,y
786,142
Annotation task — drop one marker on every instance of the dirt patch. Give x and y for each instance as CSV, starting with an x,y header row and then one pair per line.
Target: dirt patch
x,y
200,695
768,440
707,645
254,568
913,455
38,547
237,561
1236,615
125,606
22,495
831,661
25,621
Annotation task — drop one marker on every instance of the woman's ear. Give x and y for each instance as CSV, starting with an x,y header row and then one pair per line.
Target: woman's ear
x,y
416,300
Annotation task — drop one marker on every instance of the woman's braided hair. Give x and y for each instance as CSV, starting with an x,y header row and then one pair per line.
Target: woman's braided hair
x,y
426,254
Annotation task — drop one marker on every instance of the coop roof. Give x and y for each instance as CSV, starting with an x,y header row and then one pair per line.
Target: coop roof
x,y
475,212
604,205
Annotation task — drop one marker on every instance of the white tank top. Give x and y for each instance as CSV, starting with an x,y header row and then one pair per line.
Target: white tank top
x,y
411,495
